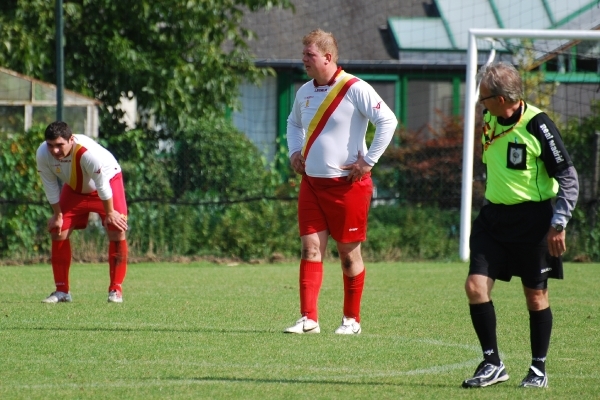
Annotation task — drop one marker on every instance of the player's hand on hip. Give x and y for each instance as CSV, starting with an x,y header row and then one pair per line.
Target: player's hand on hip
x,y
357,169
297,161
55,223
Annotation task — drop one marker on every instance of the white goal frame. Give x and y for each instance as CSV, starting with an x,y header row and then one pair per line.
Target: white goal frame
x,y
471,102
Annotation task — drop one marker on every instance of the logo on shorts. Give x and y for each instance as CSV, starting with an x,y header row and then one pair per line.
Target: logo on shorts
x,y
546,270
352,229
99,170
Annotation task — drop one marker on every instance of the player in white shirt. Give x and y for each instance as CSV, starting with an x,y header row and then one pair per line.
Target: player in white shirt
x,y
326,138
92,183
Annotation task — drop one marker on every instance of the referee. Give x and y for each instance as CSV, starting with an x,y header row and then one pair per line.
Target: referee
x,y
518,231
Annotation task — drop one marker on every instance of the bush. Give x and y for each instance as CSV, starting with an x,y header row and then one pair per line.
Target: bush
x,y
211,195
583,234
427,167
212,160
404,232
23,218
258,230
211,166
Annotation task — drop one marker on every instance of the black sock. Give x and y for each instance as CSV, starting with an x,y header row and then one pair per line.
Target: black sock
x,y
483,317
540,328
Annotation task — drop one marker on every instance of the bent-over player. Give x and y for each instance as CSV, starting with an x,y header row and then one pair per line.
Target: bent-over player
x,y
92,183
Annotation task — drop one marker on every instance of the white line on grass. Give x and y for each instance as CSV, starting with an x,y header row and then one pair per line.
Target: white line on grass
x,y
436,369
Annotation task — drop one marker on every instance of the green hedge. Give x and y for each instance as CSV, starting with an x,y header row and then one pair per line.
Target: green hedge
x,y
23,218
189,199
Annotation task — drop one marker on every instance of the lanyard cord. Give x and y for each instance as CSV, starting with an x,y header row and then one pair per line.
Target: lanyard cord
x,y
486,127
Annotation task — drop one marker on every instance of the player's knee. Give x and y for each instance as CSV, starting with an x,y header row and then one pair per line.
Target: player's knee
x,y
347,262
59,237
536,300
310,253
116,236
474,290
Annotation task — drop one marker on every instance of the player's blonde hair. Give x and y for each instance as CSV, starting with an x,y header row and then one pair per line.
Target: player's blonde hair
x,y
324,42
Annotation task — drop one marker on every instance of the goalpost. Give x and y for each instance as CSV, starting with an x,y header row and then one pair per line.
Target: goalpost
x,y
471,102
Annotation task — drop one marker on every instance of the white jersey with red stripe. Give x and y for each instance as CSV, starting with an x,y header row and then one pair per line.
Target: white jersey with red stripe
x,y
329,123
88,167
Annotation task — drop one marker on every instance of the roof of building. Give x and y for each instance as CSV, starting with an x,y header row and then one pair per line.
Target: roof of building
x,y
21,89
359,26
386,33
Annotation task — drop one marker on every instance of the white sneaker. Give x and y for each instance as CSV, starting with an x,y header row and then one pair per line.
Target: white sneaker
x,y
58,297
115,297
349,326
304,325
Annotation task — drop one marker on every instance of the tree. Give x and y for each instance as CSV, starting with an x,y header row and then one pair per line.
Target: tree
x,y
181,59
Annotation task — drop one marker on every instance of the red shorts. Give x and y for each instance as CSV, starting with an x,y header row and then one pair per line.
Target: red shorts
x,y
336,205
76,207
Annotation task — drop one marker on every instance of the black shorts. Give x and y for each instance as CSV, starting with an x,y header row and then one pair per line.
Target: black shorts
x,y
509,241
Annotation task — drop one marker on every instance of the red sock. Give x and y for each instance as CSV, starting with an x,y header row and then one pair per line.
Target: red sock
x,y
311,277
117,262
353,289
61,263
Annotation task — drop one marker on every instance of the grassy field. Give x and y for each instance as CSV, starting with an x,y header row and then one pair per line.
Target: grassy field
x,y
213,331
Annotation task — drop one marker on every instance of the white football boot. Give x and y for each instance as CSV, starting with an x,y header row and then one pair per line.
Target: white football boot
x,y
114,296
304,325
58,297
349,326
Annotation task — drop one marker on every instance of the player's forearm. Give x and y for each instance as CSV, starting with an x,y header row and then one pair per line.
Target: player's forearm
x,y
56,209
566,198
383,136
51,188
108,206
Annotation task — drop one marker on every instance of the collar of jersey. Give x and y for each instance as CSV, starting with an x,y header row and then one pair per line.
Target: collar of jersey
x,y
332,80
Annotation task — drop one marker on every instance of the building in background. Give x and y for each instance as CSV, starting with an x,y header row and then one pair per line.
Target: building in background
x,y
26,101
413,52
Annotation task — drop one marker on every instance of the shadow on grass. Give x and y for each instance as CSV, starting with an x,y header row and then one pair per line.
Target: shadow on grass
x,y
313,381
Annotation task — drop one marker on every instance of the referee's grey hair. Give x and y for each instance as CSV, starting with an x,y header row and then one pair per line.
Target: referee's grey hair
x,y
502,79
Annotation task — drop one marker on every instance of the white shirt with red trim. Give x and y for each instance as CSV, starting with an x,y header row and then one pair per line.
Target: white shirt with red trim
x,y
343,135
90,171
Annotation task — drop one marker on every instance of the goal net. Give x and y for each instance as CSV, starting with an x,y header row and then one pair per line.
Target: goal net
x,y
560,70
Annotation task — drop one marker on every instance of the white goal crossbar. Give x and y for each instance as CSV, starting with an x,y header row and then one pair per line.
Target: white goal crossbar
x,y
471,102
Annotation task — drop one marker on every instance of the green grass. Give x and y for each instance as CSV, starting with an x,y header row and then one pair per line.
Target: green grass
x,y
214,331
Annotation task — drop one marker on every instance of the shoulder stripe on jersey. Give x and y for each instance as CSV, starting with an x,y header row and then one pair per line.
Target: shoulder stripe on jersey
x,y
76,179
327,107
